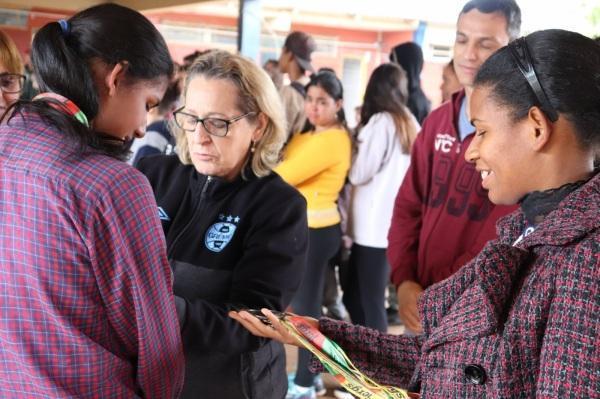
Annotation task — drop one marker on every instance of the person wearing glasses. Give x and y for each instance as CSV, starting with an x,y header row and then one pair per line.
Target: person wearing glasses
x,y
236,232
12,79
522,318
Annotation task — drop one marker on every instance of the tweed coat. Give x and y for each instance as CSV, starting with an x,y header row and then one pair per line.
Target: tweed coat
x,y
519,321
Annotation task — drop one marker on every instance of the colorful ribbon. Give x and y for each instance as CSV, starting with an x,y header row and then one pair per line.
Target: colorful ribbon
x,y
63,104
337,363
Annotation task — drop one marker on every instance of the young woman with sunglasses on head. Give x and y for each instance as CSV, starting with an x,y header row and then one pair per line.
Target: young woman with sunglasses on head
x,y
86,300
522,319
236,232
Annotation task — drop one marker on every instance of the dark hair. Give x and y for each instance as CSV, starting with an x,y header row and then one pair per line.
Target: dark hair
x,y
410,58
61,57
170,98
508,8
332,86
327,69
566,64
387,92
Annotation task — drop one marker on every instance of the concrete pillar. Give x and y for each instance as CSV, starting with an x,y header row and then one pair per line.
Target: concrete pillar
x,y
249,26
419,33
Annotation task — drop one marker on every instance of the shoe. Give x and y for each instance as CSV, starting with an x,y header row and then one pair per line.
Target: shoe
x,y
318,384
393,318
341,393
298,392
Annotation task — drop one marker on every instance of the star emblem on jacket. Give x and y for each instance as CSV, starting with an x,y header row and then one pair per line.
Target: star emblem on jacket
x,y
220,233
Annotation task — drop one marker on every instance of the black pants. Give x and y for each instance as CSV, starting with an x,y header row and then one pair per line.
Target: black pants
x,y
364,282
324,244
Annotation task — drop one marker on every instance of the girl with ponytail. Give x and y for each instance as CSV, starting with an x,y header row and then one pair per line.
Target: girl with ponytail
x,y
87,301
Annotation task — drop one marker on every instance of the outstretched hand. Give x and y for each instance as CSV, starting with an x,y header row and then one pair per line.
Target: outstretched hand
x,y
275,331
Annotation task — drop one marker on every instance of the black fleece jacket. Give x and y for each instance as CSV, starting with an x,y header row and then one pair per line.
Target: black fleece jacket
x,y
231,244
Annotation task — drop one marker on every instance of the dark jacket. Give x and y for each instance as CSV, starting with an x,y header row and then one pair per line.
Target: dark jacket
x,y
157,140
231,244
522,320
442,217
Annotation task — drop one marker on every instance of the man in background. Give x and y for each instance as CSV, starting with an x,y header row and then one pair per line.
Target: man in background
x,y
442,216
295,61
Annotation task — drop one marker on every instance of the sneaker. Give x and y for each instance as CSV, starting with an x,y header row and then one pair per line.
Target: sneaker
x,y
298,392
318,384
341,393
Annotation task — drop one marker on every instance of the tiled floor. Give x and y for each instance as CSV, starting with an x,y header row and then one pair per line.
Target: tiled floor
x,y
330,383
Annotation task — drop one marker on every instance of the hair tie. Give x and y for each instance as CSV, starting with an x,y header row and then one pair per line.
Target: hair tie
x,y
65,27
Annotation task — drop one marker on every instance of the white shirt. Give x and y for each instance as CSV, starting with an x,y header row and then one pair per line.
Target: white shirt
x,y
376,174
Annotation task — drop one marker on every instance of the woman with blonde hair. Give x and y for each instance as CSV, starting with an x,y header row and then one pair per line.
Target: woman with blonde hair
x,y
236,232
12,79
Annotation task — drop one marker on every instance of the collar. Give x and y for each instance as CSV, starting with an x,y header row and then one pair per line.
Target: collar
x,y
538,204
573,217
216,187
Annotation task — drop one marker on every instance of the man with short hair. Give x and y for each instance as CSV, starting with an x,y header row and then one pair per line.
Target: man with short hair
x,y
442,216
295,60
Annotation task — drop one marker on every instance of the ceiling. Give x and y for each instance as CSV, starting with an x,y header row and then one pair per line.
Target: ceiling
x,y
74,5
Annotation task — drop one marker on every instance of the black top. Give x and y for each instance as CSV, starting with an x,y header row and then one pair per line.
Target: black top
x,y
231,244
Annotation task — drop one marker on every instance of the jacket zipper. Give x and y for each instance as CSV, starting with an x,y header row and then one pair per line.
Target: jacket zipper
x,y
192,219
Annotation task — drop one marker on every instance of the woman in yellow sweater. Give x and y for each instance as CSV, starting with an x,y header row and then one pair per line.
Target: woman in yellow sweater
x,y
316,162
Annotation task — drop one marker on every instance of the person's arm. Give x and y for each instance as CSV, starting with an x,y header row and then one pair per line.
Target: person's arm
x,y
293,104
266,276
570,355
313,158
386,358
374,143
129,262
405,228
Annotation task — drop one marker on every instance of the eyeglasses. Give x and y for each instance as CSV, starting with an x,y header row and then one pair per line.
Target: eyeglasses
x,y
213,126
11,83
520,53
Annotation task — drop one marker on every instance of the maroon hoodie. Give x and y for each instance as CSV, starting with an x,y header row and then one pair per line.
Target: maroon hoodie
x,y
442,216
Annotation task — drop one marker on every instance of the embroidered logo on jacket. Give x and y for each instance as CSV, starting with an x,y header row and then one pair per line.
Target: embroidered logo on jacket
x,y
220,233
444,142
162,215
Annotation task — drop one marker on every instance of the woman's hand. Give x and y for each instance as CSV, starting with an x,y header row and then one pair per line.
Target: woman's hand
x,y
277,331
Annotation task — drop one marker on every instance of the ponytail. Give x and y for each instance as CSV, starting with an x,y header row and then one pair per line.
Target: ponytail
x,y
63,53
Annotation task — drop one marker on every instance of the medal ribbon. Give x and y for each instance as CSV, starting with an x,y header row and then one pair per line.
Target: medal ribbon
x,y
337,363
65,105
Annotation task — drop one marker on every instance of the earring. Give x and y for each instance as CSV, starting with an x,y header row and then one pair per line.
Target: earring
x,y
253,147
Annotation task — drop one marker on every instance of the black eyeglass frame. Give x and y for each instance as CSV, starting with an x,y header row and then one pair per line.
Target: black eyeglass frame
x,y
22,79
520,53
201,120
